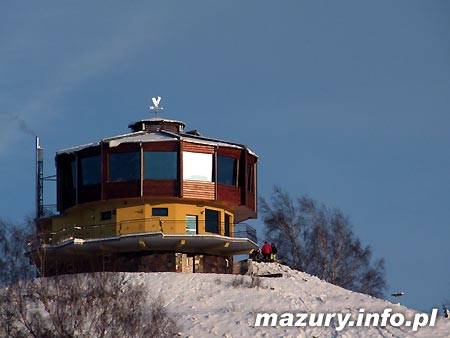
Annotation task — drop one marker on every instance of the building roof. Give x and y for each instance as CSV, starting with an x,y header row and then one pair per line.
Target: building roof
x,y
157,136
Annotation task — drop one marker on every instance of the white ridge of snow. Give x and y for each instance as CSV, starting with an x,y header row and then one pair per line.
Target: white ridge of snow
x,y
207,305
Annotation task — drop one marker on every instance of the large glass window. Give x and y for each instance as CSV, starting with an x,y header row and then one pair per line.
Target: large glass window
x,y
124,167
227,225
212,219
160,165
197,166
73,174
191,225
250,177
67,175
226,170
91,170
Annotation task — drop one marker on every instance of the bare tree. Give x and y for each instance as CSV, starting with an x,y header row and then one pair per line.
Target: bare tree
x,y
319,240
285,225
14,265
78,305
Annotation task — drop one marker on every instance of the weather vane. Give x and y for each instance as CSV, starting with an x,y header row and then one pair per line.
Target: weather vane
x,y
155,106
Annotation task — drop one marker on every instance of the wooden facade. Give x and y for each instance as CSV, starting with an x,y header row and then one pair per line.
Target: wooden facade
x,y
71,192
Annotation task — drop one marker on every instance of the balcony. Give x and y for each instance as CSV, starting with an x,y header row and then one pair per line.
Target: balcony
x,y
153,234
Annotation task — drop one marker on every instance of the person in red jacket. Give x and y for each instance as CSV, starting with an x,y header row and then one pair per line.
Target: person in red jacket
x,y
266,250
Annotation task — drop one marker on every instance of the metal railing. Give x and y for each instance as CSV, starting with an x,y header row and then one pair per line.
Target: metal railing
x,y
104,230
49,210
83,232
243,230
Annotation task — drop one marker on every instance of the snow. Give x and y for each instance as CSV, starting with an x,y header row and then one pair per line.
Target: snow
x,y
208,305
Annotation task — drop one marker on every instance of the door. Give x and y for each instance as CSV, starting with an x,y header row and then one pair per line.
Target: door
x,y
191,225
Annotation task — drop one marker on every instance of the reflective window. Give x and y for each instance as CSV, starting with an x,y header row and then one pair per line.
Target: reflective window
x,y
227,225
73,174
67,175
91,170
160,212
212,218
226,170
106,215
124,167
160,165
197,166
191,225
250,178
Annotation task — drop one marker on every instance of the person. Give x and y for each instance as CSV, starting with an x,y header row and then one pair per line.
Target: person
x,y
446,312
256,255
273,256
266,250
259,255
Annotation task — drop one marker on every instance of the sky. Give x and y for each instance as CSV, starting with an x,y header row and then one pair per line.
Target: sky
x,y
346,101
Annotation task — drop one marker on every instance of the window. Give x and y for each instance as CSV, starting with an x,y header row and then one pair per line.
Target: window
x,y
212,218
160,212
160,165
106,215
73,174
191,225
91,170
124,167
227,225
250,178
197,166
226,170
67,175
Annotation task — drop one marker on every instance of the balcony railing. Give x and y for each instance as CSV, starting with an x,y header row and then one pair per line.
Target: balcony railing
x,y
243,230
105,230
49,210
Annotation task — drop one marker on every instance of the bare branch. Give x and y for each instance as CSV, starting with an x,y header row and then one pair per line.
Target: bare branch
x,y
319,240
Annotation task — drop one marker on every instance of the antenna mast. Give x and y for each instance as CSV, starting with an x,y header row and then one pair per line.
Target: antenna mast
x,y
39,180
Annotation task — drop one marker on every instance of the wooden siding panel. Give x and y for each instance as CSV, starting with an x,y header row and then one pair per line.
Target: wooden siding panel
x,y
196,189
242,179
250,198
229,152
160,146
198,148
160,188
122,189
89,193
251,159
230,194
125,147
251,201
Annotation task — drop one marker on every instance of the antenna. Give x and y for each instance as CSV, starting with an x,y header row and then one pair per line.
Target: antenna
x,y
155,107
39,180
41,209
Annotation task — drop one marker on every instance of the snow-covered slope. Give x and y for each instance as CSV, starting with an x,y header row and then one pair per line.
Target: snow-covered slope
x,y
209,305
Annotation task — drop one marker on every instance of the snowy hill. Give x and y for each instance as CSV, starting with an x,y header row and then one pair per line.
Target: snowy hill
x,y
214,305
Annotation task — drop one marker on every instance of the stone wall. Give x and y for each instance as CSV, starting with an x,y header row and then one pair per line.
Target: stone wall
x,y
139,262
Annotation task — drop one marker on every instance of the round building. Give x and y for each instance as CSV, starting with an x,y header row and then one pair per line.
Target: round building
x,y
156,199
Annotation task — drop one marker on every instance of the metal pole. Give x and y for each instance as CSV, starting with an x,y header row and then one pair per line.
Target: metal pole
x,y
39,180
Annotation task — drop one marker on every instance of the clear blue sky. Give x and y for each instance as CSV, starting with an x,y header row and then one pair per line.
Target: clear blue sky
x,y
347,101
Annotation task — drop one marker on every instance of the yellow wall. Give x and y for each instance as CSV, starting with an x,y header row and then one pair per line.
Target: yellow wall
x,y
133,216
